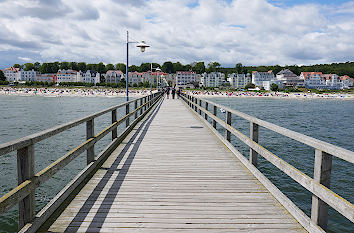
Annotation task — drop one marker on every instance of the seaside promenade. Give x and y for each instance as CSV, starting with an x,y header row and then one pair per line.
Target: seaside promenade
x,y
171,174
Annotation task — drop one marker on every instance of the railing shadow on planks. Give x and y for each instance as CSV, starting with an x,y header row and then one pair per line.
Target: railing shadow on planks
x,y
319,186
23,194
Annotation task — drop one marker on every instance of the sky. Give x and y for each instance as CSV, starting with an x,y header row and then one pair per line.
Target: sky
x,y
251,32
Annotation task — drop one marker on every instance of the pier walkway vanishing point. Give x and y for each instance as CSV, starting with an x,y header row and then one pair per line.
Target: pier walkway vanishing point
x,y
170,174
170,170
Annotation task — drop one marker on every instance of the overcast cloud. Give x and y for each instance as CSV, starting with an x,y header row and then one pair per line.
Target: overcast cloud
x,y
253,32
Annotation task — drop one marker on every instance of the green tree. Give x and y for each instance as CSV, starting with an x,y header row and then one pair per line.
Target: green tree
x,y
121,67
167,67
177,67
64,65
144,67
28,66
213,67
74,66
199,68
81,66
37,65
134,68
250,85
101,68
17,66
274,87
109,67
2,76
239,68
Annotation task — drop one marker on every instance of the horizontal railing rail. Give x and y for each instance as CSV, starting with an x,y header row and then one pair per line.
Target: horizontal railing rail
x,y
319,186
28,181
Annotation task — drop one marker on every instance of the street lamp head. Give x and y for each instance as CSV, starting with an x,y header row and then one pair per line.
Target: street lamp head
x,y
142,45
158,69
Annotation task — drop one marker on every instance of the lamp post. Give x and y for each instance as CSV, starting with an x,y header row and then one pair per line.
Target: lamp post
x,y
142,45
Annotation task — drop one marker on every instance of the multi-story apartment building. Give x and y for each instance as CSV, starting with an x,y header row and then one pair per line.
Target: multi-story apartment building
x,y
68,76
28,76
12,74
259,77
89,77
239,80
114,76
289,79
154,77
185,77
346,82
46,78
135,78
213,79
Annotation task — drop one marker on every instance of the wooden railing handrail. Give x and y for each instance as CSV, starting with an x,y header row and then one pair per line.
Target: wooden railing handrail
x,y
44,134
337,151
318,186
28,181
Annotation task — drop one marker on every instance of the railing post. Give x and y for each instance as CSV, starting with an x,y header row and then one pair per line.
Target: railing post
x,y
207,109
127,112
90,133
200,105
228,121
145,103
214,112
25,171
135,107
114,119
141,104
195,104
322,175
253,136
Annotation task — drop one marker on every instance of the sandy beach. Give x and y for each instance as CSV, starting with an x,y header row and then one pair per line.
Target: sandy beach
x,y
102,92
73,92
300,95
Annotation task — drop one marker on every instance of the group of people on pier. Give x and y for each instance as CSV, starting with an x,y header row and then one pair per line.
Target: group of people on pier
x,y
173,91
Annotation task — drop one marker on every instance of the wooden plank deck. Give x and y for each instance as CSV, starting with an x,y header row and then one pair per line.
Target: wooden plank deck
x,y
171,174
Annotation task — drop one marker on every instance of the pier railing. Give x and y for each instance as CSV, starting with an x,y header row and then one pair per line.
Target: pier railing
x,y
28,181
319,185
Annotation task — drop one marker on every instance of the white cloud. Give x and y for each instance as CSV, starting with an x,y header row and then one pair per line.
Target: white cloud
x,y
253,32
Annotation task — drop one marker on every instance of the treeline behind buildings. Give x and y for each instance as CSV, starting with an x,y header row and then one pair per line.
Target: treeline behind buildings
x,y
346,68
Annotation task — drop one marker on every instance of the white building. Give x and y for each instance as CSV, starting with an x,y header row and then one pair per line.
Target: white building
x,y
332,81
185,77
12,74
28,76
239,80
213,79
267,84
346,82
46,78
114,76
135,78
68,76
289,79
89,77
259,77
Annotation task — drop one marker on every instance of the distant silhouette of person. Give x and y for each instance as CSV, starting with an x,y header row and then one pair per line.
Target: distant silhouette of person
x,y
168,92
173,93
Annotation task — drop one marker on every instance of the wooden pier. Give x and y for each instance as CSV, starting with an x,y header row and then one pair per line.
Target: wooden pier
x,y
170,170
172,174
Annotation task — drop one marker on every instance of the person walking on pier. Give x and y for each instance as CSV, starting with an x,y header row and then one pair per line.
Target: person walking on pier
x,y
173,93
168,92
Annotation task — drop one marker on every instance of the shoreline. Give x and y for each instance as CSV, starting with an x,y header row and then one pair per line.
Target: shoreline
x,y
102,92
272,95
70,92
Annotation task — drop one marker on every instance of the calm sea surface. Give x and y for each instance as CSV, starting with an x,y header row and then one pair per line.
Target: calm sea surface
x,y
328,120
